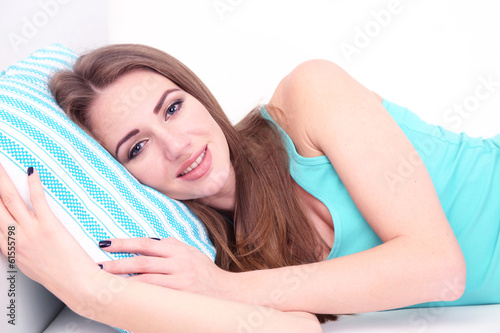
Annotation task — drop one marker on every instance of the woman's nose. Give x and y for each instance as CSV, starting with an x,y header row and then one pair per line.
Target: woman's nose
x,y
174,146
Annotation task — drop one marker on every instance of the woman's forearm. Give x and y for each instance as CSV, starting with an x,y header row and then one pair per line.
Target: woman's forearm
x,y
398,273
141,307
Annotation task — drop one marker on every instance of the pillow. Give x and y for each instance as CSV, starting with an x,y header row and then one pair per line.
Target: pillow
x,y
93,195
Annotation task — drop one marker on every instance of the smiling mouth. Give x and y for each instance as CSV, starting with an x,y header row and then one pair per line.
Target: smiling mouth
x,y
194,165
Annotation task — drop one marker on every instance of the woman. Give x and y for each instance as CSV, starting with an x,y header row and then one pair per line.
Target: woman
x,y
271,246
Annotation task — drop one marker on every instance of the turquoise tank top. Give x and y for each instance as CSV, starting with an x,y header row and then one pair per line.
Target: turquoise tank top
x,y
466,174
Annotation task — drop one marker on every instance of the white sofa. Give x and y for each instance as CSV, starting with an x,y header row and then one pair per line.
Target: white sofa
x,y
480,319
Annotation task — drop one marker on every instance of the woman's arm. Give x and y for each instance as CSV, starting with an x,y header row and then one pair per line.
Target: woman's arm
x,y
141,307
326,112
47,253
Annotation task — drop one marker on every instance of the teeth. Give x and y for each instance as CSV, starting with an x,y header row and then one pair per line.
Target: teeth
x,y
195,164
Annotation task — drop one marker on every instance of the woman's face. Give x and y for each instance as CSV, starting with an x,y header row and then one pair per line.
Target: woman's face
x,y
165,137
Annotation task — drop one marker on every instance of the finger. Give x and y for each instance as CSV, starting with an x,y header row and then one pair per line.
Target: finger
x,y
142,245
12,203
6,220
166,281
3,240
139,264
179,246
37,195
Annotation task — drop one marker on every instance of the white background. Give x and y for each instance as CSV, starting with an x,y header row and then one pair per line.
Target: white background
x,y
431,56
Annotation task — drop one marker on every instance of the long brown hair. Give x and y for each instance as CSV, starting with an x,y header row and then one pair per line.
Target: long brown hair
x,y
268,227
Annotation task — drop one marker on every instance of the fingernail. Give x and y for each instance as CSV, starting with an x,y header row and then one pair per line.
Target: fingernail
x,y
155,238
30,171
104,243
102,267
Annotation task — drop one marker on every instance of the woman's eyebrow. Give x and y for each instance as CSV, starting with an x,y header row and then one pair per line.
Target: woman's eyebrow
x,y
162,99
155,111
125,138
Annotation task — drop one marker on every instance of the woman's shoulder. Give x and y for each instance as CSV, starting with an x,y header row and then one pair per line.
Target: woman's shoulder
x,y
312,79
302,74
309,90
284,108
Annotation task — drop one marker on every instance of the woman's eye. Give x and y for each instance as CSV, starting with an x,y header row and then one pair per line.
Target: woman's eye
x,y
136,149
173,108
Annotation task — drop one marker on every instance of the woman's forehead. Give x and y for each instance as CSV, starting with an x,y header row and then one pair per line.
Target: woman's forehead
x,y
133,89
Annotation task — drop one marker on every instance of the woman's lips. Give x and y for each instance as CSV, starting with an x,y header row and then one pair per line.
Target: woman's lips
x,y
201,167
195,164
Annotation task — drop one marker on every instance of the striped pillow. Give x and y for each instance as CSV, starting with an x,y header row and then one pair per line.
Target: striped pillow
x,y
93,195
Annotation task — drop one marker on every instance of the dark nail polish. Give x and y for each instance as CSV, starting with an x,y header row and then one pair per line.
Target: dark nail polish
x,y
102,267
155,238
30,171
104,243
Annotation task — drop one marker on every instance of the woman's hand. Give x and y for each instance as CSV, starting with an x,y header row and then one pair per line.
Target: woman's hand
x,y
168,263
44,250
